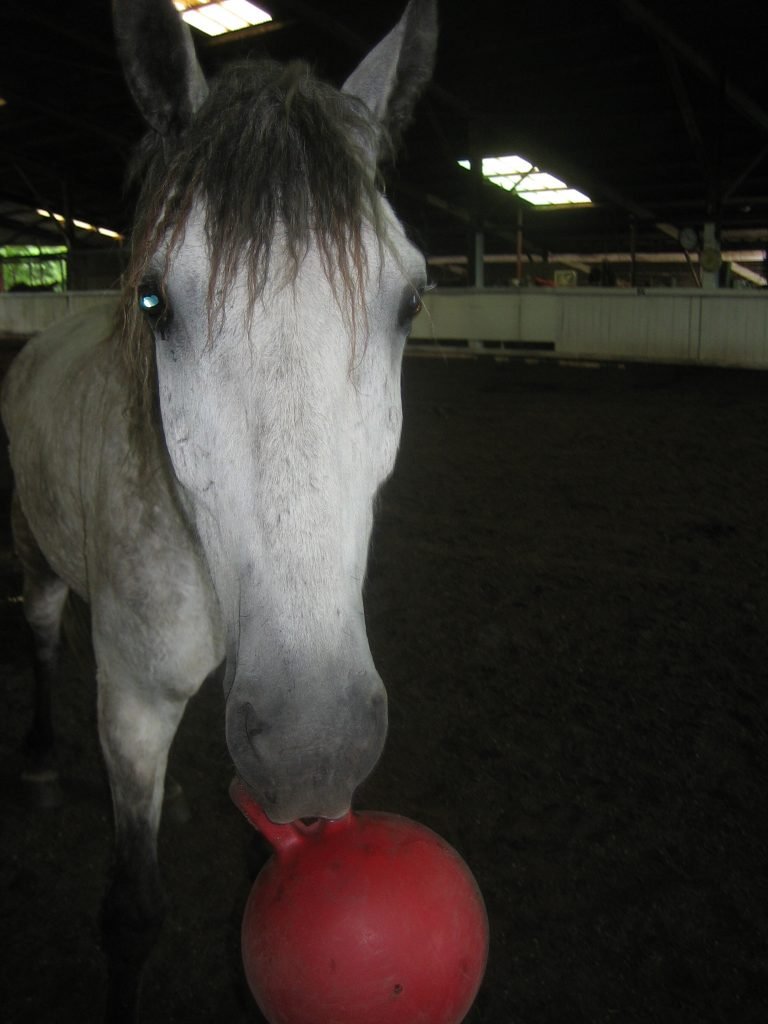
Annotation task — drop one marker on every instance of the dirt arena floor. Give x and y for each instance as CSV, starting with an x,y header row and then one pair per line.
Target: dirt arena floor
x,y
568,599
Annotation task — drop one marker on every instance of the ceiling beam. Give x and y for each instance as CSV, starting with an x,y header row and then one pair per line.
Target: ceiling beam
x,y
252,32
583,179
81,124
683,101
25,230
740,178
59,28
463,215
736,96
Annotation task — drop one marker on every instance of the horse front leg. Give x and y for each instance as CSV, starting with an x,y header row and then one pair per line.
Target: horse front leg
x,y
44,598
136,729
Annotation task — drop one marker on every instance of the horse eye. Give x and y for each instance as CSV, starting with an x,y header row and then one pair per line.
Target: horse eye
x,y
151,300
150,303
411,307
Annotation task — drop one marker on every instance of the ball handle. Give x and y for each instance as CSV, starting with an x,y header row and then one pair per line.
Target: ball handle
x,y
284,839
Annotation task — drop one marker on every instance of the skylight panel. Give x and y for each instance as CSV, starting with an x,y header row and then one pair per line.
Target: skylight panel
x,y
506,181
549,197
493,166
518,175
539,181
555,197
216,17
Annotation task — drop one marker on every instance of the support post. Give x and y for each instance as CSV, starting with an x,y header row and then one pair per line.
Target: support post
x,y
632,252
476,255
479,258
710,259
519,244
69,235
475,263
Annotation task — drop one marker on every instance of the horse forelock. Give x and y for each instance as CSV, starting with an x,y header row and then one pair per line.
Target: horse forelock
x,y
273,150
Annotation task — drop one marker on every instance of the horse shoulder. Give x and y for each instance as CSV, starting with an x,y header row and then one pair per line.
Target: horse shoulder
x,y
97,493
46,395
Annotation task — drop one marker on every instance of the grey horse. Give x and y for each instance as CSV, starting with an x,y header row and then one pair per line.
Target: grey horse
x,y
200,465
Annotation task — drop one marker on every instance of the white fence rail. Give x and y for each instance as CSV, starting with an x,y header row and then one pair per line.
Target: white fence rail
x,y
718,328
25,313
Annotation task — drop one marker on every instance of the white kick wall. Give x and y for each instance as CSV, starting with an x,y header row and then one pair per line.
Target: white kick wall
x,y
718,328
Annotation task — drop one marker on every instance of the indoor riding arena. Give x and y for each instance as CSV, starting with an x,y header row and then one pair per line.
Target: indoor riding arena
x,y
567,586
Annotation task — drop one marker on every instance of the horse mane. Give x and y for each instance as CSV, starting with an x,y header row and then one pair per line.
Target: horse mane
x,y
271,147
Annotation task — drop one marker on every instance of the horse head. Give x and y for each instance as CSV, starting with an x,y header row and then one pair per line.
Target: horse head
x,y
271,289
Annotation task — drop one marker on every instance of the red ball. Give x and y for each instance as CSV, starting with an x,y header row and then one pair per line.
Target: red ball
x,y
372,919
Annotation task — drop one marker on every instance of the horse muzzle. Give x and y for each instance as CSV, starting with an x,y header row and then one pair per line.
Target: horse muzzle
x,y
303,746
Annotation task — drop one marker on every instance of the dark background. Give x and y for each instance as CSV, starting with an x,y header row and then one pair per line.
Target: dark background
x,y
567,600
656,109
568,586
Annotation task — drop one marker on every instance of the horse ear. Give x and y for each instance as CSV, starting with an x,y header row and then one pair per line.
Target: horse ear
x,y
159,63
391,78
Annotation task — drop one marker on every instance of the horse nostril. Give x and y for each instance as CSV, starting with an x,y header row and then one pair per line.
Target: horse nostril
x,y
254,727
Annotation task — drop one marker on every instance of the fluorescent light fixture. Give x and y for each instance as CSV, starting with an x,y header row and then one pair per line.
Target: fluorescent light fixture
x,y
540,188
215,17
82,224
54,216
